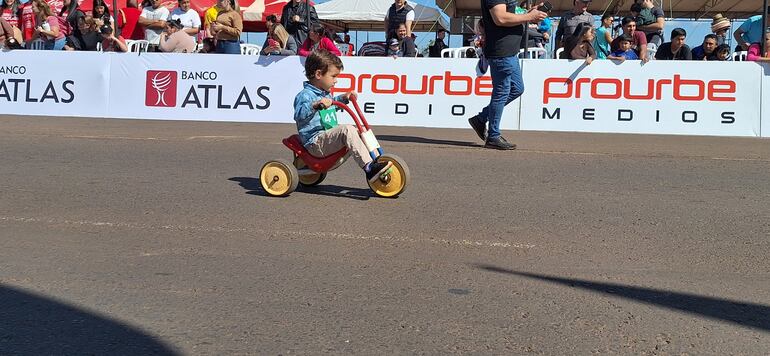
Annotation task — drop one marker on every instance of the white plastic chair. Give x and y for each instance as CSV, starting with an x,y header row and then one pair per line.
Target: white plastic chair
x,y
99,47
138,45
462,51
250,49
651,50
558,52
740,56
534,52
37,45
447,52
344,48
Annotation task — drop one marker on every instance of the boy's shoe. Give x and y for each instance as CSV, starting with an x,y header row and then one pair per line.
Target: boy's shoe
x,y
377,170
499,143
479,127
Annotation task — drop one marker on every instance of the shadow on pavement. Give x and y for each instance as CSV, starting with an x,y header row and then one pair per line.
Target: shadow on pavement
x,y
37,325
430,141
253,187
755,316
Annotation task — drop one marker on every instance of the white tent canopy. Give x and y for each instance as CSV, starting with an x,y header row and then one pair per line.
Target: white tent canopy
x,y
370,15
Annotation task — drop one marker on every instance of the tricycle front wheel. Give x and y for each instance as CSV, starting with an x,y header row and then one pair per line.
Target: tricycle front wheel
x,y
396,181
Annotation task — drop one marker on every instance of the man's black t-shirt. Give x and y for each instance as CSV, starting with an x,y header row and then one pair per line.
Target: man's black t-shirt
x,y
500,41
664,53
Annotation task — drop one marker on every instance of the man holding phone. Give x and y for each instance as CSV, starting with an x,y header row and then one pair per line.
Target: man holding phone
x,y
503,29
570,20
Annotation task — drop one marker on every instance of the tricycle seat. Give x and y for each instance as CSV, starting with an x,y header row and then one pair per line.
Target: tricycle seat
x,y
317,164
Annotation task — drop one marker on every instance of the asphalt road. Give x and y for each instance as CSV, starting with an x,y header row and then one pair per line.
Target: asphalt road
x,y
149,237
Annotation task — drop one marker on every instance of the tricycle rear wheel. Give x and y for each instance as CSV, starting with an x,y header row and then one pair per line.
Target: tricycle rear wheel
x,y
278,178
308,180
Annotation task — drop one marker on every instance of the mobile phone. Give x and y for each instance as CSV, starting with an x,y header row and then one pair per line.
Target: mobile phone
x,y
546,7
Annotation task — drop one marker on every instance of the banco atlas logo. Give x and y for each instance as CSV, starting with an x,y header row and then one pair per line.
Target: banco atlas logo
x,y
160,88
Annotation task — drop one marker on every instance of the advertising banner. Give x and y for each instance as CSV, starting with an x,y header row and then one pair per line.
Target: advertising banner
x,y
262,89
209,87
54,84
659,97
431,92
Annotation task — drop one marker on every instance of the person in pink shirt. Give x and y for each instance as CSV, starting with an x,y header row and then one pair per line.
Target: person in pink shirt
x,y
755,51
318,39
175,39
47,26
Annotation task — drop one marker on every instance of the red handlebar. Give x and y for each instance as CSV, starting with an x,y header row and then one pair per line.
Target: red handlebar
x,y
360,121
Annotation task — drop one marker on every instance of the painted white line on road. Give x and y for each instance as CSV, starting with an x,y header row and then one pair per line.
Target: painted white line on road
x,y
625,155
301,234
116,138
214,137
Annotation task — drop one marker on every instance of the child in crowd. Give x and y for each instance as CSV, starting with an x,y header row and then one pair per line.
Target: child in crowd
x,y
394,48
624,50
478,43
723,52
321,69
208,45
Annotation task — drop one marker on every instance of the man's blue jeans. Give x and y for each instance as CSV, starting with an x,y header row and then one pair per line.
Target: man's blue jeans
x,y
507,85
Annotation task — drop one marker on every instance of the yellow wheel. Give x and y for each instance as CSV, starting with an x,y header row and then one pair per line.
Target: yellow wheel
x,y
308,180
279,178
394,183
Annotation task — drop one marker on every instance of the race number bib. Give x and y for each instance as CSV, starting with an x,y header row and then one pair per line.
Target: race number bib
x,y
328,118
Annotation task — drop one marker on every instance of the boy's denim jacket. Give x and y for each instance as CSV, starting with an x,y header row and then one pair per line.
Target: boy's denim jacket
x,y
308,119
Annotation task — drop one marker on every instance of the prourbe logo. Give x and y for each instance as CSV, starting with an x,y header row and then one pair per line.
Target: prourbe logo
x,y
161,88
447,84
613,89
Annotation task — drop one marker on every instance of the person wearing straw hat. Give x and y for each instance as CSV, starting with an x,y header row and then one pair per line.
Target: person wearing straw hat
x,y
719,26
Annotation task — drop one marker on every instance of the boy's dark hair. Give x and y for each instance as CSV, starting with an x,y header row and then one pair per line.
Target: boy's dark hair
x,y
626,38
710,36
322,60
678,32
272,18
636,8
626,20
606,16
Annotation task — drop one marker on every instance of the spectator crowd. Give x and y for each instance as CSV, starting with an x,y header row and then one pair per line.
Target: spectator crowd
x,y
642,37
62,25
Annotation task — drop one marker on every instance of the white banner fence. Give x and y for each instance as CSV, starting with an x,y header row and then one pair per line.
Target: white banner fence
x,y
690,98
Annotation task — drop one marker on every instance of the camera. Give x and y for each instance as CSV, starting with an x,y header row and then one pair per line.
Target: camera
x,y
12,43
546,7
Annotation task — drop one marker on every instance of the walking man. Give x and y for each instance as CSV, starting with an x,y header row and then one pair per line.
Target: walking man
x,y
503,31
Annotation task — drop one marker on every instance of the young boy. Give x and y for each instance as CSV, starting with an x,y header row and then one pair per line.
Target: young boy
x,y
321,69
394,48
624,50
